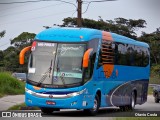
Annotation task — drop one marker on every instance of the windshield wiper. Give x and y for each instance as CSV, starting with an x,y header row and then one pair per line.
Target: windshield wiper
x,y
45,74
61,77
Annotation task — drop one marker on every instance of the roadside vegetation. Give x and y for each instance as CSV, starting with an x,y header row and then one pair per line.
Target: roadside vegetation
x,y
150,90
10,85
154,77
22,107
155,74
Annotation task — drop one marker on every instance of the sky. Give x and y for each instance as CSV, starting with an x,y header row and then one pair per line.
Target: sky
x,y
31,17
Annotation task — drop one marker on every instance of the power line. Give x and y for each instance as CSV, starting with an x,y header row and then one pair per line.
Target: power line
x,y
15,13
36,17
87,7
100,1
23,2
37,1
89,2
12,7
79,8
26,2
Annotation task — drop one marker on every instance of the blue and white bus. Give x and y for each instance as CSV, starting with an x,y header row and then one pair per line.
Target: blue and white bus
x,y
82,68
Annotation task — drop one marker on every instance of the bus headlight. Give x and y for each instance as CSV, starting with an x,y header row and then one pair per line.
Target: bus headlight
x,y
76,93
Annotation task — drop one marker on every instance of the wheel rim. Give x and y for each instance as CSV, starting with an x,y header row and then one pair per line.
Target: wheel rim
x,y
95,105
133,101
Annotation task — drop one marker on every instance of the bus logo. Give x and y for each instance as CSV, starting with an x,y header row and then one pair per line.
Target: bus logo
x,y
50,96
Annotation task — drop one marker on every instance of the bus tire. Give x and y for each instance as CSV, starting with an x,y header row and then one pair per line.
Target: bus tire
x,y
95,108
132,101
48,110
156,98
131,106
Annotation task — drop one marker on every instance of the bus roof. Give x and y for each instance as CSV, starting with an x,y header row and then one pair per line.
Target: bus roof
x,y
123,39
68,34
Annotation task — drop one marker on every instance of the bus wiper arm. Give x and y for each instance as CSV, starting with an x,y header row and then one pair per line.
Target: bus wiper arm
x,y
45,74
61,77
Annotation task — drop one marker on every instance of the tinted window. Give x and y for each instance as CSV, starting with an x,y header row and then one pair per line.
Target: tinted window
x,y
123,54
89,71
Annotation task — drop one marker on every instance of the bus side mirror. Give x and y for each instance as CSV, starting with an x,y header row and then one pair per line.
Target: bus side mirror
x,y
86,57
22,53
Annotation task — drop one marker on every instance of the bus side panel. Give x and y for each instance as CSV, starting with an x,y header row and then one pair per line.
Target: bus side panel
x,y
117,89
120,95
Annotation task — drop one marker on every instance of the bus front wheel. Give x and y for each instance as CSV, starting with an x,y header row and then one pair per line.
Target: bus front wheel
x,y
95,108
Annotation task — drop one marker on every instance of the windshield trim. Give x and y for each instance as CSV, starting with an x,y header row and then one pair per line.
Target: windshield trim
x,y
52,82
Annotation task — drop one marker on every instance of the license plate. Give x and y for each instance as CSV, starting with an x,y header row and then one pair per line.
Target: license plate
x,y
50,102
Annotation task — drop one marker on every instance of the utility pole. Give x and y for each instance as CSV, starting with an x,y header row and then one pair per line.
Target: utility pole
x,y
79,13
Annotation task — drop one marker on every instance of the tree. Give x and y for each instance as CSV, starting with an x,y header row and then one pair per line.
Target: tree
x,y
11,54
120,26
24,39
153,39
2,33
1,58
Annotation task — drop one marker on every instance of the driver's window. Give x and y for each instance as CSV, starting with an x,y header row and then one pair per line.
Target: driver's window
x,y
89,70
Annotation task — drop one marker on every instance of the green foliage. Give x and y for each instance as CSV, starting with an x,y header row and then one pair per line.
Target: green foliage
x,y
10,85
23,40
17,107
154,79
120,26
10,57
22,106
153,39
155,74
2,33
150,90
156,69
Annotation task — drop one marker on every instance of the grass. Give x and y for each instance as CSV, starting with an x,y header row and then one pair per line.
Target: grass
x,y
150,90
154,78
22,107
10,85
137,118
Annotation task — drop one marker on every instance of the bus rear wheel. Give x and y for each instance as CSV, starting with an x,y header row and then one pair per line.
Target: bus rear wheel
x,y
95,108
48,110
132,104
133,101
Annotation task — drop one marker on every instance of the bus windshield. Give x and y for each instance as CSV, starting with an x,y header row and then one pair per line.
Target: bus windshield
x,y
68,67
56,64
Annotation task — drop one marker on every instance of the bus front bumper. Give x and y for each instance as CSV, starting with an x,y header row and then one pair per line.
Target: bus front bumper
x,y
76,100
